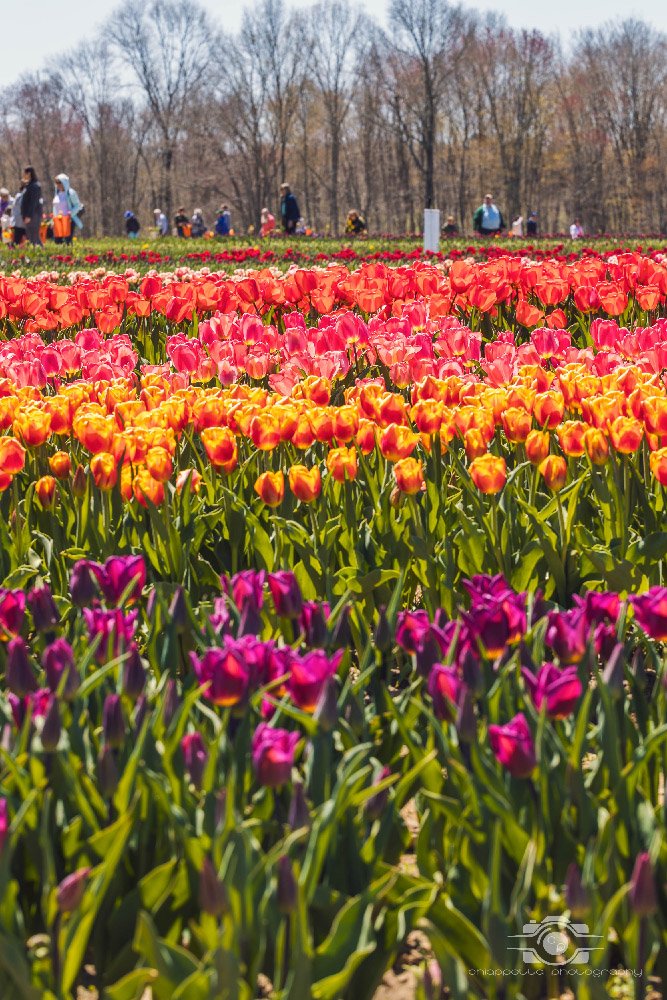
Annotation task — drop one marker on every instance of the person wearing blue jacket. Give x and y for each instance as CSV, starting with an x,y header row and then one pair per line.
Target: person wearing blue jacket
x,y
289,209
66,203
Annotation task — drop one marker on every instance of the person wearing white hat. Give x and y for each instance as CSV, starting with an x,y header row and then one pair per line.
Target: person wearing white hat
x,y
161,222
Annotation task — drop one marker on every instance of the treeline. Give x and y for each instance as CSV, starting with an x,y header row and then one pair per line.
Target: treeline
x,y
164,108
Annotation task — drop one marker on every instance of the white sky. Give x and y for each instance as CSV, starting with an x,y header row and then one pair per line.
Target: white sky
x,y
62,25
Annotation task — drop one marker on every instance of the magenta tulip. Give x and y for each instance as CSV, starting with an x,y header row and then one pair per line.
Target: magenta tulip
x,y
513,746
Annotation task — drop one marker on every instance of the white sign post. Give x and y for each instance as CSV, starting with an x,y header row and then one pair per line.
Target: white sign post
x,y
432,229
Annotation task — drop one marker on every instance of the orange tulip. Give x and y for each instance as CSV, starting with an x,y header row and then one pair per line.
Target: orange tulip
x,y
158,463
366,436
488,473
571,437
145,488
94,431
597,446
427,416
517,423
8,409
191,476
537,446
554,470
33,426
408,475
220,446
322,422
5,480
45,488
342,462
397,442
302,435
305,484
270,487
12,455
265,431
548,408
345,423
126,483
474,443
60,465
658,463
104,469
626,434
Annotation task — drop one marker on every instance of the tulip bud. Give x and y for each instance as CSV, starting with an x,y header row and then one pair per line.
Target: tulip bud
x,y
58,659
383,636
643,897
428,653
107,772
84,583
140,710
195,756
397,497
113,723
171,703
134,675
251,618
433,981
326,710
471,672
537,447
212,893
354,715
19,677
178,610
466,721
45,488
376,804
60,465
50,734
286,594
287,892
299,814
313,625
79,482
70,891
577,899
341,635
45,614
554,471
613,674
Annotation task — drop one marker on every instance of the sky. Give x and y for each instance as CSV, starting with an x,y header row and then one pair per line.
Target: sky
x,y
72,21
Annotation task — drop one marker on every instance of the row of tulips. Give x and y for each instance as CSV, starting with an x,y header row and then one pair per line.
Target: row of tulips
x,y
556,476
509,291
171,771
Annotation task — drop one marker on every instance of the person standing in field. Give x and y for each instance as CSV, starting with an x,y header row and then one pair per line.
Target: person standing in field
x,y
289,210
576,230
531,225
32,203
66,205
18,227
181,220
132,225
223,223
451,229
198,224
517,225
488,220
268,223
161,223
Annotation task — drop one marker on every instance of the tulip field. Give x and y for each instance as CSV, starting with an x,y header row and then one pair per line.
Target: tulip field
x,y
333,608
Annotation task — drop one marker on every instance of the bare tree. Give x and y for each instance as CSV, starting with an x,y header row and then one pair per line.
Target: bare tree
x,y
168,45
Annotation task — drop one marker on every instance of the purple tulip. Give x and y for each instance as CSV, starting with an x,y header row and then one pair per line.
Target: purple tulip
x,y
45,614
113,723
376,804
513,746
220,619
119,574
117,625
228,671
212,894
577,899
481,587
4,822
245,586
286,594
313,623
341,633
50,734
19,676
70,891
445,686
308,676
494,622
567,634
643,897
598,607
58,659
561,689
171,703
84,584
134,675
286,892
651,612
178,610
411,628
195,755
273,754
37,701
12,610
382,635
107,772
